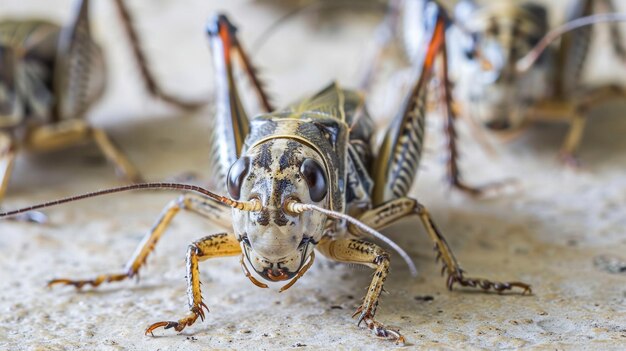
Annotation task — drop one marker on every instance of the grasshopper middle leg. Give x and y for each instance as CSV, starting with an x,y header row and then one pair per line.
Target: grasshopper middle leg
x,y
190,202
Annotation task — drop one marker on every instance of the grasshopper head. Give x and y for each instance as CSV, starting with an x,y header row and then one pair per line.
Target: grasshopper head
x,y
277,243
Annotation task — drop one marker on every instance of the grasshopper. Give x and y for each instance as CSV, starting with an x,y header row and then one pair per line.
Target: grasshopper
x,y
300,179
50,77
506,97
501,88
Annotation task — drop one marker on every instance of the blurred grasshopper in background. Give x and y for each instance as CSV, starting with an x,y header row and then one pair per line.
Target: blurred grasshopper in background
x,y
50,77
303,178
497,84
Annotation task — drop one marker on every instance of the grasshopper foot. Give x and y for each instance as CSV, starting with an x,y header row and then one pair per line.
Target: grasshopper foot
x,y
196,311
79,284
366,315
457,277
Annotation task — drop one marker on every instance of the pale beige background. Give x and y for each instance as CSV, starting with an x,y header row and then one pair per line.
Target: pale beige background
x,y
548,234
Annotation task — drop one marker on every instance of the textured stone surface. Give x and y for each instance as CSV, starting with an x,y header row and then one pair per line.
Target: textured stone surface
x,y
563,232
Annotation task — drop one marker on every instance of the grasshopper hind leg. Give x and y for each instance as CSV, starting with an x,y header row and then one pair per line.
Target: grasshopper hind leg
x,y
453,170
395,210
153,87
231,125
398,160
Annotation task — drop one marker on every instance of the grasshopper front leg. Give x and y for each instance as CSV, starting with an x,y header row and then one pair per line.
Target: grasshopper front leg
x,y
216,245
368,254
395,210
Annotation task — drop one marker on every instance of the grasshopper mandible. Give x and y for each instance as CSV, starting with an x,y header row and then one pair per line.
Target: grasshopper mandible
x,y
510,92
300,179
50,77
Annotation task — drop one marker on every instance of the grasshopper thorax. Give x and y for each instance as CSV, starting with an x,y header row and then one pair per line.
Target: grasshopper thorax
x,y
277,243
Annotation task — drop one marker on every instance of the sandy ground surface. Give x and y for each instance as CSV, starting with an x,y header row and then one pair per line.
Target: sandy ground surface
x,y
563,232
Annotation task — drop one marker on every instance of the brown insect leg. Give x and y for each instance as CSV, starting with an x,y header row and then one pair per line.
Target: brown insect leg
x,y
574,112
186,202
567,155
251,71
115,156
148,77
453,170
368,254
395,210
450,264
217,245
592,98
73,132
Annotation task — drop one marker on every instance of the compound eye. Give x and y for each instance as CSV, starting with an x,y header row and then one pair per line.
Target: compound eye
x,y
236,174
315,178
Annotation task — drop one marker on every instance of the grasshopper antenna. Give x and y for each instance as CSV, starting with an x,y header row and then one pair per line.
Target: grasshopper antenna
x,y
297,207
253,205
527,61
